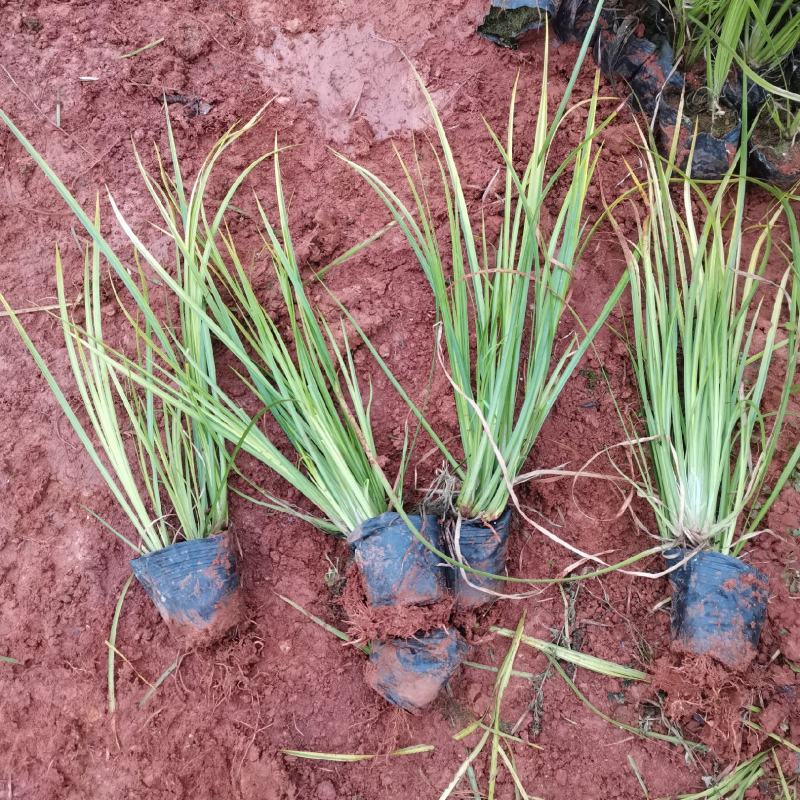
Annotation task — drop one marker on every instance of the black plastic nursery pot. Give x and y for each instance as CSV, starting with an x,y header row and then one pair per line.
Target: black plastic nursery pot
x,y
620,59
573,19
410,673
508,20
484,546
656,81
732,94
713,154
719,604
777,163
656,88
195,587
647,68
397,569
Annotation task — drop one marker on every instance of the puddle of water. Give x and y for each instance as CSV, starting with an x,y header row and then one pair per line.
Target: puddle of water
x,y
347,73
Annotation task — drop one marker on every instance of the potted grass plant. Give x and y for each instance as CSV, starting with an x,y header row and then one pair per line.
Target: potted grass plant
x,y
307,378
705,63
713,339
499,314
774,153
170,482
743,51
755,38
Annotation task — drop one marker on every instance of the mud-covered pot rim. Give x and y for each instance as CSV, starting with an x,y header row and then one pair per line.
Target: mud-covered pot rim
x,y
389,519
187,545
499,522
732,564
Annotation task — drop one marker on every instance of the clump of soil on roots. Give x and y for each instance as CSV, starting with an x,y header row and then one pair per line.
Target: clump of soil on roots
x,y
366,622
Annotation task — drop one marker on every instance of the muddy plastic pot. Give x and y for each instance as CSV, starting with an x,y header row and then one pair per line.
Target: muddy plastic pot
x,y
195,587
732,94
484,546
574,18
621,56
777,164
397,569
657,81
410,673
719,604
712,156
508,20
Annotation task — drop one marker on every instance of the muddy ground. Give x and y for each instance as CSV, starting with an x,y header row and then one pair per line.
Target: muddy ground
x,y
215,729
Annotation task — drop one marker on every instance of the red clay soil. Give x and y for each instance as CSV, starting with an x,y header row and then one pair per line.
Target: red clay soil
x,y
216,726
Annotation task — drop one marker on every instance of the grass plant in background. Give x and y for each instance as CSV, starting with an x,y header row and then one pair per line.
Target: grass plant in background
x,y
714,351
755,36
785,118
500,302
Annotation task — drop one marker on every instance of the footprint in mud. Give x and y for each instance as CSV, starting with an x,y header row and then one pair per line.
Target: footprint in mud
x,y
348,72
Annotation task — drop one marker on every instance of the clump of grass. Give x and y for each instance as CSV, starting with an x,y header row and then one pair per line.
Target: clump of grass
x,y
707,330
306,378
499,304
756,35
171,481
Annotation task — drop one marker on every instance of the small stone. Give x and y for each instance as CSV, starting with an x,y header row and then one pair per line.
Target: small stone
x,y
326,791
293,25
